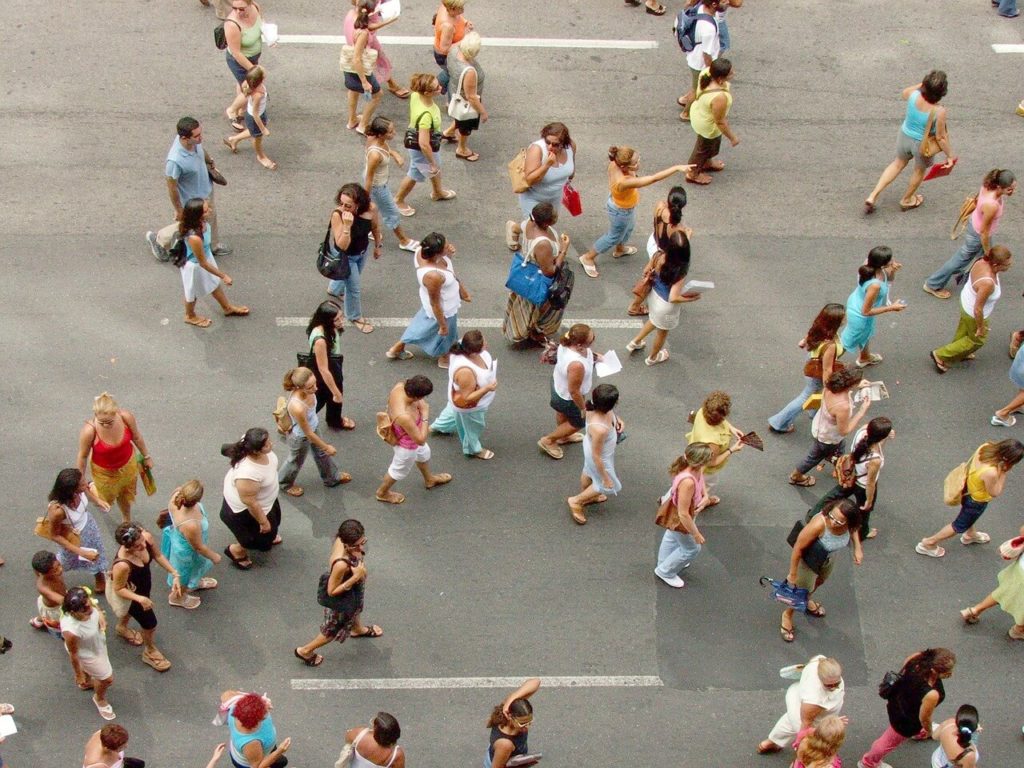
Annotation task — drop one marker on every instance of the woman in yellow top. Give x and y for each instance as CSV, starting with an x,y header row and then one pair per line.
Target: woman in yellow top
x,y
624,194
711,426
708,117
986,477
425,160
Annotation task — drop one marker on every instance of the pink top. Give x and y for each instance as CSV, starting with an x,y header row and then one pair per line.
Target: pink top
x,y
698,487
383,66
403,437
987,196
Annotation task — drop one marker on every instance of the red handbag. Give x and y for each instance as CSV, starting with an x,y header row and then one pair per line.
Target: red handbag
x,y
571,200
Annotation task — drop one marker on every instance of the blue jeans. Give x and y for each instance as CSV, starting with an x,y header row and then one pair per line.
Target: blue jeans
x,y
1007,7
960,262
299,447
970,511
675,552
349,288
723,35
621,221
784,419
385,202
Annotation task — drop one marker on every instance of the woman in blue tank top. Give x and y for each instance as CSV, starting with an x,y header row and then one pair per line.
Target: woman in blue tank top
x,y
923,111
510,724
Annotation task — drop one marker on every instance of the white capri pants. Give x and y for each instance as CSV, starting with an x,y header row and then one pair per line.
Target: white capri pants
x,y
405,458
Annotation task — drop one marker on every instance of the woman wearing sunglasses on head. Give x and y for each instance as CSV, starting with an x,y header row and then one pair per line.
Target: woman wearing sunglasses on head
x,y
510,724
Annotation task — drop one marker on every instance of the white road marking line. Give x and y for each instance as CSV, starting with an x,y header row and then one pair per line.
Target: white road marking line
x,y
492,42
1007,48
433,683
469,322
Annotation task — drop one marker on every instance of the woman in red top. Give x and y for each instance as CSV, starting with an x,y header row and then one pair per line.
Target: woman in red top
x,y
112,437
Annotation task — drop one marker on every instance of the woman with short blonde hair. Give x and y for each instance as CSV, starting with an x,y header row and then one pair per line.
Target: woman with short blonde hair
x,y
109,442
185,544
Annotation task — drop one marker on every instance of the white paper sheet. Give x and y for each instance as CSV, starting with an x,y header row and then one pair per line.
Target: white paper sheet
x,y
389,9
7,726
698,286
609,365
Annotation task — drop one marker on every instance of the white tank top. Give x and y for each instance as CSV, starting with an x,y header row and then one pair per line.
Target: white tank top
x,y
78,516
969,297
565,357
484,376
358,761
529,245
450,301
263,105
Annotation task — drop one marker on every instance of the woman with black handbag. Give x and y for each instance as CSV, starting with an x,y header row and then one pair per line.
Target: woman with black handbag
x,y
325,360
341,594
423,140
810,563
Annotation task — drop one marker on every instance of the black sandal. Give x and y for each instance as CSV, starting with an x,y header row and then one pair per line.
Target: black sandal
x,y
659,11
241,563
312,661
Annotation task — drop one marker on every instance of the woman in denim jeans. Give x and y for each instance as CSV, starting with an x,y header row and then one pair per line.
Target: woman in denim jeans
x,y
351,223
379,155
304,435
689,497
624,194
986,478
821,343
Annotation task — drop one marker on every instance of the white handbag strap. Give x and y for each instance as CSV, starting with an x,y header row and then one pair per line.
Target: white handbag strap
x,y
458,88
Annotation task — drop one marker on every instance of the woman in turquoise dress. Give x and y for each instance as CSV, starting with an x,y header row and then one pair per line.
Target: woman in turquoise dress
x,y
186,543
869,299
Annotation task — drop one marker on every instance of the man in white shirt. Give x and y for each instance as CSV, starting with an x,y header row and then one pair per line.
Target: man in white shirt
x,y
706,49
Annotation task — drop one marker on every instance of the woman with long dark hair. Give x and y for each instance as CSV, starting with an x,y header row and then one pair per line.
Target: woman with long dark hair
x,y
923,115
72,526
869,299
822,344
911,702
351,223
376,745
510,725
324,333
472,381
669,268
200,275
250,508
360,35
603,430
668,220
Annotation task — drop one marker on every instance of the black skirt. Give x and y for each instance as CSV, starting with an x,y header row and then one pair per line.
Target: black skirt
x,y
247,530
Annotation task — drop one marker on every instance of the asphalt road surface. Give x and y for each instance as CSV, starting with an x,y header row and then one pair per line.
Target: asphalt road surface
x,y
489,577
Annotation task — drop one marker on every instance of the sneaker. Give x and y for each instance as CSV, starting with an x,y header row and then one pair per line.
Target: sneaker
x,y
222,250
672,581
188,602
159,252
999,421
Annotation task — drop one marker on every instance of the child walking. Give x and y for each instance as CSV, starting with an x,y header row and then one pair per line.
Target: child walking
x,y
255,117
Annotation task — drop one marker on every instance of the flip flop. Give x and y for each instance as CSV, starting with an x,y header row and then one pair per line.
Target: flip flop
x,y
486,454
683,117
918,199
371,632
629,250
407,211
442,479
341,479
713,501
869,207
295,491
310,661
448,194
241,563
391,498
659,11
158,662
969,616
199,322
818,612
767,747
449,139
575,437
551,450
472,157
130,636
714,166
405,354
401,93
599,499
106,712
363,325
578,515
6,709
239,311
702,179
589,268
642,312
804,482
789,635
939,365
347,423
229,145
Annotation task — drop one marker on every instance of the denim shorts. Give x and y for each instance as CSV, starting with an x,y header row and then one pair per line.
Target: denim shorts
x,y
353,83
250,124
385,202
237,71
970,511
567,408
418,158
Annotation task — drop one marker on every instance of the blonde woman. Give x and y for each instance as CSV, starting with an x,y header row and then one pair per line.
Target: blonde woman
x,y
185,544
818,747
425,159
464,69
304,435
255,117
624,195
682,543
108,442
450,26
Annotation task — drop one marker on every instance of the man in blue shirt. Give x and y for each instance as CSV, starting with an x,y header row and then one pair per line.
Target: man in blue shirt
x,y
187,173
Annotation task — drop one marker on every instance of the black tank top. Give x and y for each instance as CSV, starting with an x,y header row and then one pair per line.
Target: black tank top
x,y
518,742
359,237
139,576
904,704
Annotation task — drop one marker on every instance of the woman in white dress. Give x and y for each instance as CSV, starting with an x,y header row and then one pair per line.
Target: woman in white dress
x,y
200,275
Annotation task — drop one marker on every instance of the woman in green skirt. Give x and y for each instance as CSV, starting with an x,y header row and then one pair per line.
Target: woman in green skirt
x,y
1009,596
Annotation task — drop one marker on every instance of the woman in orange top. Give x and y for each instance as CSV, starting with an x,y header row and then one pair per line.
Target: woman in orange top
x,y
624,193
450,26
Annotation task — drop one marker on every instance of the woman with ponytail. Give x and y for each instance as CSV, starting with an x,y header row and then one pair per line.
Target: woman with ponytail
x,y
689,496
958,740
668,220
869,299
185,544
911,702
510,726
472,381
624,195
603,433
305,435
250,508
708,118
357,82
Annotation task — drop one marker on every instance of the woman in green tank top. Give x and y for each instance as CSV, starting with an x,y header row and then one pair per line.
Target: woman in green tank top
x,y
243,30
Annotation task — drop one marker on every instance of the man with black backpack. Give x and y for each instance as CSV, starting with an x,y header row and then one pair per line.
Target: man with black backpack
x,y
698,37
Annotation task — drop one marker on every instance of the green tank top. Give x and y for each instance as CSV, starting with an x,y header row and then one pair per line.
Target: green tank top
x,y
252,43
